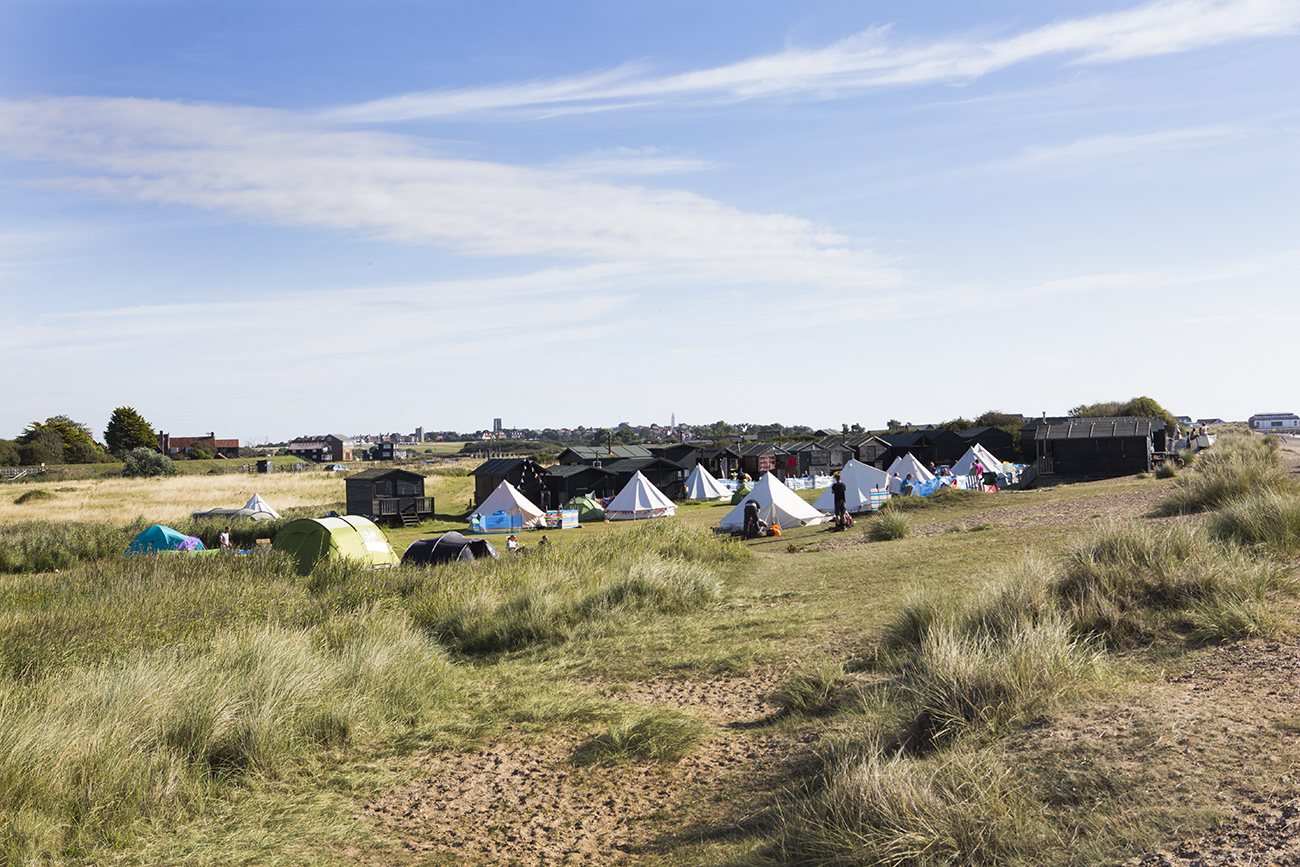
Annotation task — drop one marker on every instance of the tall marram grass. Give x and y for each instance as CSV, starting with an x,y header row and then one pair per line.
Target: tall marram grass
x,y
1236,466
87,754
1264,518
882,807
133,690
1129,583
915,787
548,596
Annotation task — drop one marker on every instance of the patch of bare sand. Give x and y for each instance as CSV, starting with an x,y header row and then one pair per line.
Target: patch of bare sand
x,y
525,802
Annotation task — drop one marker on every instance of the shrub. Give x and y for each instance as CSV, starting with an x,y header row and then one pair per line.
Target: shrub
x,y
32,496
811,689
887,525
143,462
1129,583
661,735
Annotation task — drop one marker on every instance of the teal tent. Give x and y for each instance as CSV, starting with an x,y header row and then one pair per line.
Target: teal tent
x,y
160,538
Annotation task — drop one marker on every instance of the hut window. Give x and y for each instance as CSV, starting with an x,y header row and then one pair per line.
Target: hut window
x,y
383,489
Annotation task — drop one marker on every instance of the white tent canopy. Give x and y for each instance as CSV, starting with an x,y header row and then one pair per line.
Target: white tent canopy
x,y
858,479
701,485
506,498
976,452
257,504
639,499
777,505
908,464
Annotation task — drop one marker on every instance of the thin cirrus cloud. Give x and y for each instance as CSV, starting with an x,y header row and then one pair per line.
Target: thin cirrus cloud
x,y
867,60
625,162
274,166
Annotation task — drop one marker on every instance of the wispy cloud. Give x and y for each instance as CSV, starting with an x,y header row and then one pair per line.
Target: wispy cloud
x,y
870,59
273,166
625,162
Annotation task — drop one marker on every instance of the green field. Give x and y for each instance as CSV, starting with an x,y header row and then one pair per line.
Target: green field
x,y
213,710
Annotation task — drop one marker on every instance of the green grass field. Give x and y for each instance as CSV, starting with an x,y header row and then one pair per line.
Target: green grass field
x,y
220,710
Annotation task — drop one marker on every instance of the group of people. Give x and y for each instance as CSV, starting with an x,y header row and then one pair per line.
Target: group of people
x,y
512,543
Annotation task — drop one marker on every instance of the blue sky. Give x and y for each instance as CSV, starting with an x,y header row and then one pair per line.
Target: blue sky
x,y
270,219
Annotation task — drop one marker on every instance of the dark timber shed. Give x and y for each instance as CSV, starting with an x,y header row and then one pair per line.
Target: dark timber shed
x,y
1098,448
389,496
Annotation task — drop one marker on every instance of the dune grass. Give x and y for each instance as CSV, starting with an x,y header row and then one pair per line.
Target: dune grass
x,y
1235,467
138,691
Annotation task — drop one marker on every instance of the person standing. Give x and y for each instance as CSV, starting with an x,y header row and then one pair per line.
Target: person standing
x,y
224,539
840,492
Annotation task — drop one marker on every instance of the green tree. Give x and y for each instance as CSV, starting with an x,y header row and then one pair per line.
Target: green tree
x,y
1137,407
957,425
128,430
1007,421
59,439
9,454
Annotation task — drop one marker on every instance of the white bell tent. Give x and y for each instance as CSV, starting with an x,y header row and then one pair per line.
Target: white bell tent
x,y
858,479
701,485
506,498
777,505
257,504
908,464
639,499
976,452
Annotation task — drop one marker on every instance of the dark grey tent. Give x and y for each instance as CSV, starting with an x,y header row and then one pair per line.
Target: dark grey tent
x,y
447,548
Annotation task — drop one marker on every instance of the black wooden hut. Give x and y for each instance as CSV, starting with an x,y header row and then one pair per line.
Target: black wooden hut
x,y
524,473
1097,448
721,461
668,476
565,481
999,443
760,458
389,496
595,456
686,454
811,459
867,449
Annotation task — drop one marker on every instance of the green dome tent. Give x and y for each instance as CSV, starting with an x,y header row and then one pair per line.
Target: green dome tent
x,y
742,491
351,537
589,510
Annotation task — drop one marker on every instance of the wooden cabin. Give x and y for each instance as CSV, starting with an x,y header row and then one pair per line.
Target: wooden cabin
x,y
999,443
524,473
1097,448
389,496
668,476
563,482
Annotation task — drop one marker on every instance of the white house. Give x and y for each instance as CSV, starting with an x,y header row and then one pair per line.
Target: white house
x,y
1267,421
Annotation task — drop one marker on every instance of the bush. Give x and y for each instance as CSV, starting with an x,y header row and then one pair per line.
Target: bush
x,y
34,495
810,690
887,525
143,462
661,735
